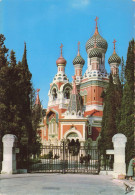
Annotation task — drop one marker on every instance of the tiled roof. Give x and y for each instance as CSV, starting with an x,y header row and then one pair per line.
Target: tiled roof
x,y
74,104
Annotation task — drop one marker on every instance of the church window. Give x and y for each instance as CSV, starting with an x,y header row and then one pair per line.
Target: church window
x,y
54,94
67,93
89,130
53,127
94,90
94,98
84,99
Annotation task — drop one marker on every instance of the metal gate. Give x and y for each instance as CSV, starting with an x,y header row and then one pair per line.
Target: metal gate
x,y
66,159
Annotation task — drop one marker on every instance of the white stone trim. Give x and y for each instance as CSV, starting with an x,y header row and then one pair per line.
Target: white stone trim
x,y
73,130
75,123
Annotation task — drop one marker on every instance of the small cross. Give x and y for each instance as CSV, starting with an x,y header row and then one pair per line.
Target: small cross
x,y
61,48
114,43
96,20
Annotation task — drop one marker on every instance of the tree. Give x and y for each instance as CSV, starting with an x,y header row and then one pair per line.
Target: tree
x,y
37,117
3,90
31,114
24,86
122,75
16,104
126,125
13,112
112,99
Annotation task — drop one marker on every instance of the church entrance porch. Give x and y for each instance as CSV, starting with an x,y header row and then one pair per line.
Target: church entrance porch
x,y
69,157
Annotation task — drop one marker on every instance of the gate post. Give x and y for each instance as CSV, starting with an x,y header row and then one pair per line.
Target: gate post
x,y
9,154
119,141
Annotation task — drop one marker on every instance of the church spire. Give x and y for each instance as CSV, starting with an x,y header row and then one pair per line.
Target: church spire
x,y
61,60
78,48
74,91
74,104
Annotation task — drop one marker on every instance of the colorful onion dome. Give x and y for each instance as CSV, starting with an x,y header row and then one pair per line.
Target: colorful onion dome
x,y
114,58
95,53
100,42
61,60
78,59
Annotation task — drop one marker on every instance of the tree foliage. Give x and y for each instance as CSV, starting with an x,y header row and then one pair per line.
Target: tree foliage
x,y
122,75
126,125
16,103
112,101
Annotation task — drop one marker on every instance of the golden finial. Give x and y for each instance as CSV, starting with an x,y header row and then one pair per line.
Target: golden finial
x,y
96,30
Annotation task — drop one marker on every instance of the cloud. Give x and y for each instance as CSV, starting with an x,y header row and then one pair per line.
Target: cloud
x,y
79,3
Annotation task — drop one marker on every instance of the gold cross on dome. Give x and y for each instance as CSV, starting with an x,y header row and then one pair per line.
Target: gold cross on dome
x,y
61,48
96,20
114,44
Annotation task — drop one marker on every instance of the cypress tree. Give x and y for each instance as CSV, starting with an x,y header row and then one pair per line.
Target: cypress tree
x,y
13,113
16,107
126,125
112,99
24,107
3,90
37,117
122,75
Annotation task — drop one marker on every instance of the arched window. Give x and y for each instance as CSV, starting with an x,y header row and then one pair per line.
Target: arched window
x,y
54,94
53,129
67,93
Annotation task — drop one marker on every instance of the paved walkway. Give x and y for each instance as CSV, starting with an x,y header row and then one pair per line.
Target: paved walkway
x,y
59,184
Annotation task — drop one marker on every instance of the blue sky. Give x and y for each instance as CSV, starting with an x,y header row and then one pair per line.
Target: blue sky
x,y
45,24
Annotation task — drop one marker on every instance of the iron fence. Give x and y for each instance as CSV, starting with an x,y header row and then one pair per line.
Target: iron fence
x,y
66,159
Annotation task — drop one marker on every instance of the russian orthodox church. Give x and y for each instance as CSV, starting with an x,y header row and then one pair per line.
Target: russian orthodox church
x,y
75,109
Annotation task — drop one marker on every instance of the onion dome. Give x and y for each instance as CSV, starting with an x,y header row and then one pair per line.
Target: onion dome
x,y
78,59
100,42
61,60
95,53
114,58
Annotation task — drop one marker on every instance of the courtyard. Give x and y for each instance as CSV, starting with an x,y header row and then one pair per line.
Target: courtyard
x,y
60,184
